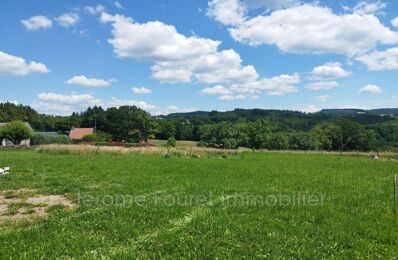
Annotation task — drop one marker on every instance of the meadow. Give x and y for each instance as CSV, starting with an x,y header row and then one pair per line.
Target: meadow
x,y
248,204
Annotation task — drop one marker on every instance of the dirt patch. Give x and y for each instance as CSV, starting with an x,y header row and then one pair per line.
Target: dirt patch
x,y
28,204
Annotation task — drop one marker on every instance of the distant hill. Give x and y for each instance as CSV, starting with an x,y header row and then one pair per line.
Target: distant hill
x,y
353,111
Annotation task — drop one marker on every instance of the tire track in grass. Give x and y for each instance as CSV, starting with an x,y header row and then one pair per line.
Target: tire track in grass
x,y
175,225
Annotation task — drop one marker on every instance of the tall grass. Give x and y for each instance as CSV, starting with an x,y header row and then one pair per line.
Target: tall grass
x,y
178,151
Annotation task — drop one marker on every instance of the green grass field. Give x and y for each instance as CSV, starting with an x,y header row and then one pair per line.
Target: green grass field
x,y
352,219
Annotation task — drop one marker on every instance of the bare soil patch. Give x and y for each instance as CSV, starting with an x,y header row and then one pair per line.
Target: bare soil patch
x,y
28,204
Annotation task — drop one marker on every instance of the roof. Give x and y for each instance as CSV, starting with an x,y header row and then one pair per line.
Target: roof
x,y
78,133
25,123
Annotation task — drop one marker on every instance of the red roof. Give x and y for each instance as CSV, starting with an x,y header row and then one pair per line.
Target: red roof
x,y
78,133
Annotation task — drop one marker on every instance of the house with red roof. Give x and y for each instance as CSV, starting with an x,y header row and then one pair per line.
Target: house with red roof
x,y
78,133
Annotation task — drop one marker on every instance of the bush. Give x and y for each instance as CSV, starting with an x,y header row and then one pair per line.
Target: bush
x,y
62,139
40,139
171,142
15,132
90,138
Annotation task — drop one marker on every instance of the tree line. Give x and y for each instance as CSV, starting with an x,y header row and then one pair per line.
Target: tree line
x,y
251,128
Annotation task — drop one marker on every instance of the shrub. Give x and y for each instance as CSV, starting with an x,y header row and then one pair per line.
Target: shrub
x,y
62,139
90,138
171,142
15,132
41,139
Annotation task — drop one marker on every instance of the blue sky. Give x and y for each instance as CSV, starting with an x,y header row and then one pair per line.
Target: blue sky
x,y
178,55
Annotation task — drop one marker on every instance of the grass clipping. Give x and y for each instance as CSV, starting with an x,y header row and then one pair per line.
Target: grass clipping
x,y
27,204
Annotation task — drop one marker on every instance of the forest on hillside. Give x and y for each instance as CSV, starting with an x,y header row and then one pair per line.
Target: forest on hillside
x,y
253,128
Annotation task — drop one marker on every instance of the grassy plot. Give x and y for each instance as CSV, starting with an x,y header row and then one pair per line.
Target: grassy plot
x,y
248,205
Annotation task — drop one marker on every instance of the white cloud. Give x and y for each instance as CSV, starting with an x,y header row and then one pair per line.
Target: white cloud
x,y
395,22
216,90
115,102
37,22
227,12
173,109
372,89
56,109
381,60
322,98
89,82
141,90
67,20
154,40
310,109
363,8
17,66
234,12
71,99
232,97
119,5
331,70
314,29
176,58
9,101
275,86
322,85
65,104
270,4
94,10
217,67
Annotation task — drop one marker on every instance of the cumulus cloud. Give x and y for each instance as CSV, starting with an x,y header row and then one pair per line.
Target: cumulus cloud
x,y
331,70
176,58
381,60
322,98
89,82
216,90
68,99
363,8
9,101
68,19
314,29
372,89
232,97
217,67
395,22
270,4
65,104
275,86
141,90
310,109
56,109
322,85
154,40
227,12
173,109
38,22
94,10
115,102
235,12
17,66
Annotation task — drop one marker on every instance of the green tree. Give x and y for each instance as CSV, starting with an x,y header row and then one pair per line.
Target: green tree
x,y
278,141
130,123
16,131
329,136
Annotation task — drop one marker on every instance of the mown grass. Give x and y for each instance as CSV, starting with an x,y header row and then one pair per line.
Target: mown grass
x,y
354,221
